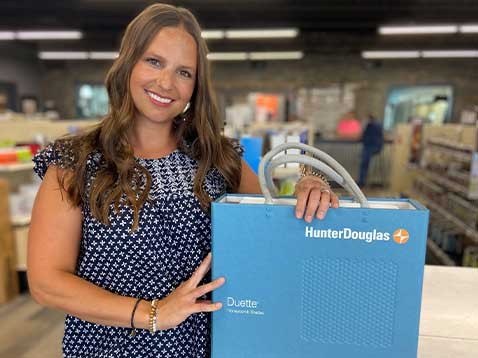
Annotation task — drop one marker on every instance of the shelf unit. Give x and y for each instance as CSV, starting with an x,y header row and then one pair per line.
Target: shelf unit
x,y
286,173
439,254
467,230
14,167
20,220
444,181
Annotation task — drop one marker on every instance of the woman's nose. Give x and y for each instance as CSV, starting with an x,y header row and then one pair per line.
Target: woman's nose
x,y
165,80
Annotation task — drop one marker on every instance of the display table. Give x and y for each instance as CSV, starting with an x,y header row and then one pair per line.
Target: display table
x,y
449,316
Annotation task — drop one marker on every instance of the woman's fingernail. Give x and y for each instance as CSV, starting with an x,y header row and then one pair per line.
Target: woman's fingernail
x,y
308,218
320,215
298,215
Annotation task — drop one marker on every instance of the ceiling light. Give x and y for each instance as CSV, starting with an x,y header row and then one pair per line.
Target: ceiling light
x,y
53,55
99,55
49,35
450,54
261,33
7,35
212,34
227,56
288,55
416,30
390,54
468,29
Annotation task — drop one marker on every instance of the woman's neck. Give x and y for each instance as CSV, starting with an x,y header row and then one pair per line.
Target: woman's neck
x,y
152,141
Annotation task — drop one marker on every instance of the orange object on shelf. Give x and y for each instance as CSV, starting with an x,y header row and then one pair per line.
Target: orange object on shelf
x,y
8,157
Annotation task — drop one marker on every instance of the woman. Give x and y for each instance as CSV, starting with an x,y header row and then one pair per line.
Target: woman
x,y
120,230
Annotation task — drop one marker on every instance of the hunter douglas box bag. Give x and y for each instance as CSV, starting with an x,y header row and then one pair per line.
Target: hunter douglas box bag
x,y
346,286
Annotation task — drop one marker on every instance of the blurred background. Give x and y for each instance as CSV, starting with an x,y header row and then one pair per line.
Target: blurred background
x,y
388,88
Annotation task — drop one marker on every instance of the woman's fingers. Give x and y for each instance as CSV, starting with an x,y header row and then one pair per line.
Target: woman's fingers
x,y
325,200
301,203
201,271
312,204
334,200
208,287
206,306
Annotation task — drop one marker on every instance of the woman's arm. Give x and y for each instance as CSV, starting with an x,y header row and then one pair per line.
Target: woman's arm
x,y
249,180
53,248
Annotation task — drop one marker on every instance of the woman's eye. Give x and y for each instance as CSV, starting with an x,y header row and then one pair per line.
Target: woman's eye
x,y
153,61
185,74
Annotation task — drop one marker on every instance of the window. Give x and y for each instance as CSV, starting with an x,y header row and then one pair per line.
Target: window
x,y
91,100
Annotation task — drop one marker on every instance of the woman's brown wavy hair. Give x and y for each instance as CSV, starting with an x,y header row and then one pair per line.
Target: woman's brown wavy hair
x,y
120,173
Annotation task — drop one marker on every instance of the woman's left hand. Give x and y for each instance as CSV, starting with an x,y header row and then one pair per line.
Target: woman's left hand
x,y
314,197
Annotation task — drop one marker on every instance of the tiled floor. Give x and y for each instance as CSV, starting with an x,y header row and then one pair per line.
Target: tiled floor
x,y
28,330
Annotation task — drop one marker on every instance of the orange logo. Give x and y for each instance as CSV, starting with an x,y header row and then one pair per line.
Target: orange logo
x,y
401,236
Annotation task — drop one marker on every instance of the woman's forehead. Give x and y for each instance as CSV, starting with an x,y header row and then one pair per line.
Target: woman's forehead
x,y
175,44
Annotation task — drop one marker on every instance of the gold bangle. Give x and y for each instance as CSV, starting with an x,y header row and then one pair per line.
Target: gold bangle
x,y
152,316
306,170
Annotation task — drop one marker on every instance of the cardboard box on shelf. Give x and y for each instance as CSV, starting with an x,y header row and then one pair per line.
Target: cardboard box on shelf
x,y
8,274
6,237
8,278
21,242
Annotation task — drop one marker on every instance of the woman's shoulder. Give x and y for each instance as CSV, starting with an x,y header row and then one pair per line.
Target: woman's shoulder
x,y
63,153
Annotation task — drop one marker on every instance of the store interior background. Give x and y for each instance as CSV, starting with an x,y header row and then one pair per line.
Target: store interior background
x,y
427,106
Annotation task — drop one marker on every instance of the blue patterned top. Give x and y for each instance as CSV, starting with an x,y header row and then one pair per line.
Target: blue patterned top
x,y
174,236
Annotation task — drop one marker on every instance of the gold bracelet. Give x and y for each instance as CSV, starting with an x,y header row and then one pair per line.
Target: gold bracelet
x,y
152,316
306,170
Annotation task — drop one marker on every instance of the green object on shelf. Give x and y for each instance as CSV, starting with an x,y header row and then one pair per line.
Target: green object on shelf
x,y
24,155
7,143
287,187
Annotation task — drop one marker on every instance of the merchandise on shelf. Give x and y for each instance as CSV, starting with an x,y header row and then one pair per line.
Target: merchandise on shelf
x,y
470,256
444,181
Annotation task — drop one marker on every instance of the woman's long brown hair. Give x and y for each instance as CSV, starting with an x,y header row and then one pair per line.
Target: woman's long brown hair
x,y
120,174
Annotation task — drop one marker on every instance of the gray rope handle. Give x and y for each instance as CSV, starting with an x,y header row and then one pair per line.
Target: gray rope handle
x,y
329,166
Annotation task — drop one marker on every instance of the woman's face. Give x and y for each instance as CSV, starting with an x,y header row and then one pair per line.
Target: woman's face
x,y
162,81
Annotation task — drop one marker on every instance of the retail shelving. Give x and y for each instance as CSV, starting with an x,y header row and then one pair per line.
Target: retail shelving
x,y
443,177
440,179
436,251
439,254
284,173
450,144
5,168
443,212
20,220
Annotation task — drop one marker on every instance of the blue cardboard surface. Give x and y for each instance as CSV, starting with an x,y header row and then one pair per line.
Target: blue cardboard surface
x,y
347,286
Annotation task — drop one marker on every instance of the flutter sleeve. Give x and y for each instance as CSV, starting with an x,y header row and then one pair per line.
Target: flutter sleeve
x,y
58,153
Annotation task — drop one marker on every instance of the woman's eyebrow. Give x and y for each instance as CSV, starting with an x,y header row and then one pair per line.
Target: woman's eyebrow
x,y
161,58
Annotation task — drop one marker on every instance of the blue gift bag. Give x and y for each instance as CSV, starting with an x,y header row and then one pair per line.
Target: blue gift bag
x,y
346,286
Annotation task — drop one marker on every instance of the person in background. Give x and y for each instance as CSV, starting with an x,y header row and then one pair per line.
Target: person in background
x,y
372,143
120,231
349,127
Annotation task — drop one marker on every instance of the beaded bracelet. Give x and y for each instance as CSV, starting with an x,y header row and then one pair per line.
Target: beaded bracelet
x,y
133,328
152,316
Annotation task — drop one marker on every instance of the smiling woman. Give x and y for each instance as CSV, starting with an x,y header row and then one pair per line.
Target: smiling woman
x,y
163,81
120,230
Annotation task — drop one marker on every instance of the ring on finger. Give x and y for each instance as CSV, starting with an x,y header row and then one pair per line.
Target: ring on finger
x,y
325,190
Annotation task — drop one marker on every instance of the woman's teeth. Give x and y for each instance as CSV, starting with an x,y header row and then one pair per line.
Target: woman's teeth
x,y
158,98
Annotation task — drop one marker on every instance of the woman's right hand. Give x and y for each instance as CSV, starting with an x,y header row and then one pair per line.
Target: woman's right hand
x,y
185,300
